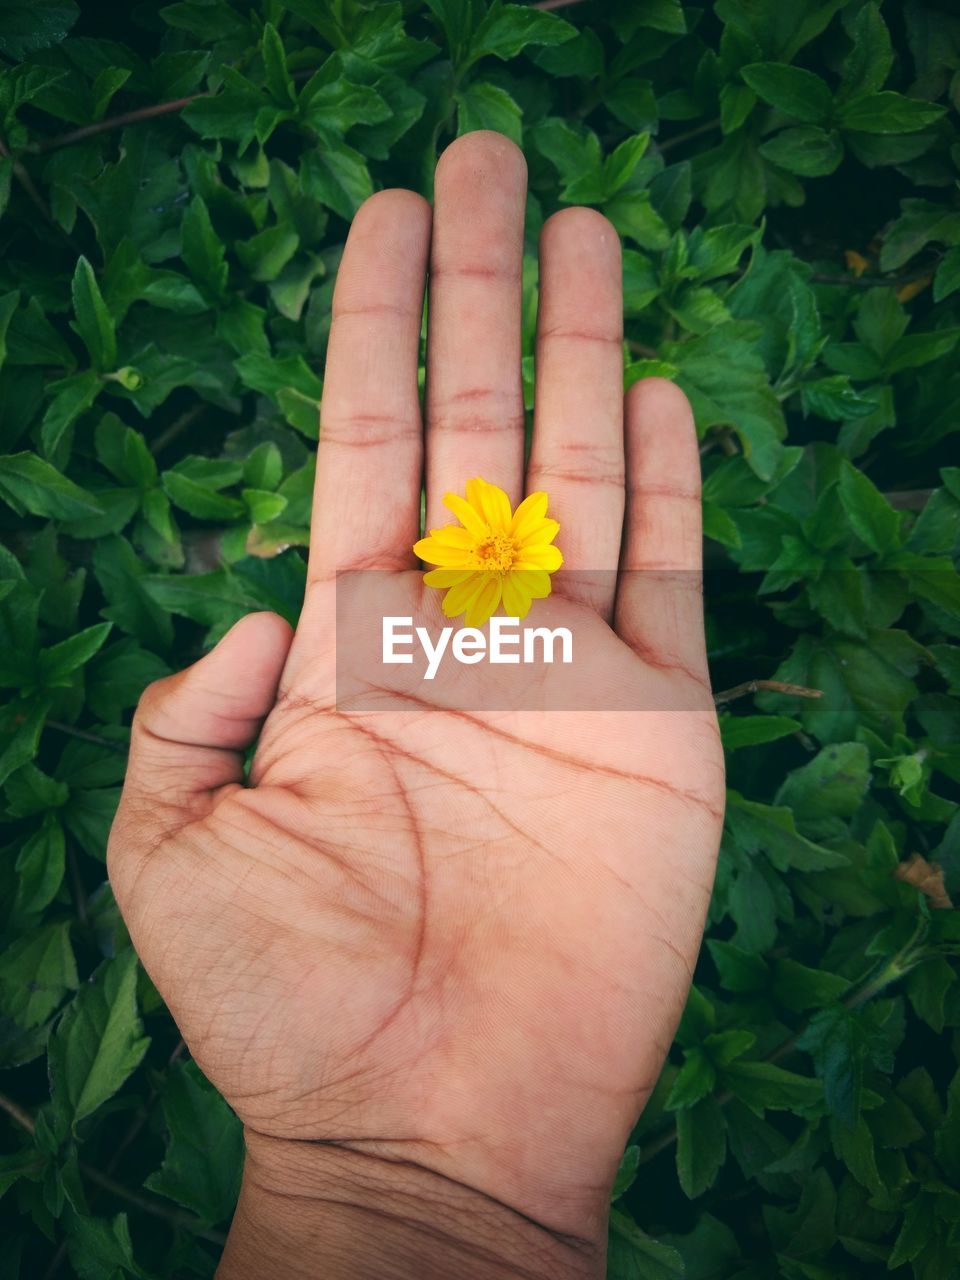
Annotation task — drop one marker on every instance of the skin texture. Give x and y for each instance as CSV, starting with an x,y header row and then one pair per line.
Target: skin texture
x,y
434,959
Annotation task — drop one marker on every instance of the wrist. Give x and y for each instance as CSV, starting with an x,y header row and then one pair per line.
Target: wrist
x,y
309,1208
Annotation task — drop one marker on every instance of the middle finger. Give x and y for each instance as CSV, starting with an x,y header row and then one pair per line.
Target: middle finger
x,y
474,389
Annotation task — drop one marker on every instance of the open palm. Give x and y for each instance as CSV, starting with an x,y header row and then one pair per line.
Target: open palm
x,y
461,931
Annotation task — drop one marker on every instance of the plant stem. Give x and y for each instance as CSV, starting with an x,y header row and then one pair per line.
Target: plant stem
x,y
20,173
134,117
13,1109
176,428
86,736
772,686
113,122
707,127
641,349
178,1217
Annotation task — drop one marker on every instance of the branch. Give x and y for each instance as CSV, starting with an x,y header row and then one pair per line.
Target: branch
x,y
26,182
134,117
86,736
871,282
679,139
771,686
13,1109
179,1217
113,122
177,427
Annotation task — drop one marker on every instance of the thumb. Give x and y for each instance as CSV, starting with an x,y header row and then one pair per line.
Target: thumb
x,y
190,729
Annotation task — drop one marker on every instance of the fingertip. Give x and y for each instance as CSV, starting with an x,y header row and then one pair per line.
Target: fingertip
x,y
487,148
658,399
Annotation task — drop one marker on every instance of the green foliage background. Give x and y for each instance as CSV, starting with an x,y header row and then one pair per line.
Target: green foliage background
x,y
784,180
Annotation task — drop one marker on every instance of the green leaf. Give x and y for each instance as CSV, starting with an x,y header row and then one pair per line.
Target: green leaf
x,y
748,731
124,453
888,112
719,250
873,519
620,165
338,177
772,830
841,1041
21,721
740,970
28,25
198,500
100,1249
8,305
221,598
40,865
117,676
482,105
229,114
58,663
331,107
765,1086
279,81
800,987
263,469
28,483
204,1159
701,1146
695,1079
809,151
98,1041
796,92
947,279
121,576
723,376
833,784
289,382
506,29
918,349
94,322
36,972
72,397
627,1172
268,252
262,505
201,249
868,63
633,1255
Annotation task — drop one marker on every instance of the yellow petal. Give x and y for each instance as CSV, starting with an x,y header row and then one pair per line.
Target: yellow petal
x,y
469,518
475,495
459,597
537,582
453,535
548,558
447,577
531,510
436,553
516,598
485,602
491,502
542,534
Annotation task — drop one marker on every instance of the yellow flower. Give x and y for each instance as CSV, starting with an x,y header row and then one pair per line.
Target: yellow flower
x,y
494,556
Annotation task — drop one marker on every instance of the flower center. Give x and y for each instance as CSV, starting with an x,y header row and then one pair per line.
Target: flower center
x,y
497,553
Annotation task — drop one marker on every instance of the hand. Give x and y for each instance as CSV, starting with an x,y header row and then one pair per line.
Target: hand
x,y
435,960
